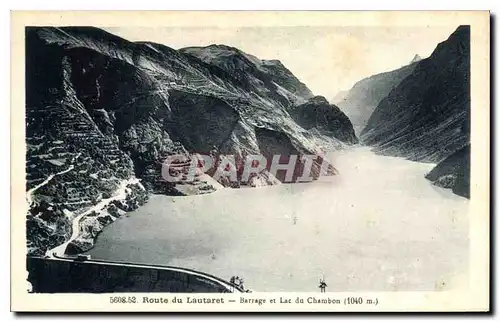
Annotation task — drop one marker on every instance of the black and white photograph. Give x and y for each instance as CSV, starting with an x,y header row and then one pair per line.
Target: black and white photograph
x,y
248,159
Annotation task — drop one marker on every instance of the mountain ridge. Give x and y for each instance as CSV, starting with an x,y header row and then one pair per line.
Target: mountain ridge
x,y
103,113
406,122
361,100
426,117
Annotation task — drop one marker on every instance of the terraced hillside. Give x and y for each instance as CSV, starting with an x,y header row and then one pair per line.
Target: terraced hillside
x,y
103,113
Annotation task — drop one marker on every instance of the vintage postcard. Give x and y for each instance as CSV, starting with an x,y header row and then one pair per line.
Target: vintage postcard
x,y
250,161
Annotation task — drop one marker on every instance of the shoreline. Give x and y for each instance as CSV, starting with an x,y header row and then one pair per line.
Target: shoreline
x,y
87,226
102,210
239,233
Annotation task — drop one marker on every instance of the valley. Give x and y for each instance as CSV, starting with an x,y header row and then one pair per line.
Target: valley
x,y
103,114
377,226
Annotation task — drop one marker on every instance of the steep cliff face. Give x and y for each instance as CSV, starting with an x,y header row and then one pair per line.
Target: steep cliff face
x,y
268,78
427,116
73,158
327,118
101,111
362,99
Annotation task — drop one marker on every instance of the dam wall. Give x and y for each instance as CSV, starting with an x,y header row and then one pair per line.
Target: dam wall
x,y
65,275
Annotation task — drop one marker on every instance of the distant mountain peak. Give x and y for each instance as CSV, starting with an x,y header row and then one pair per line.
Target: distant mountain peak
x,y
415,59
361,100
432,105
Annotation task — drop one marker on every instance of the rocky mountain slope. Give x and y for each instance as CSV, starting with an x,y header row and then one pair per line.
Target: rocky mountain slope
x,y
267,78
103,113
325,118
427,116
453,172
362,99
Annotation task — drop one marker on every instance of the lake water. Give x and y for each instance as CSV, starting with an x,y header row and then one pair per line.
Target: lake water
x,y
377,226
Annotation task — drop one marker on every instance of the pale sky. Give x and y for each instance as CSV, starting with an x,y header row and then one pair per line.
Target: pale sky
x,y
326,59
